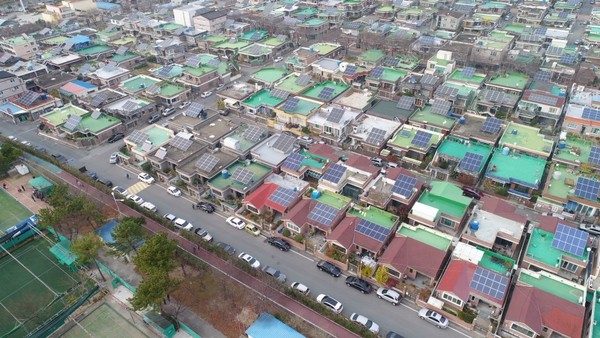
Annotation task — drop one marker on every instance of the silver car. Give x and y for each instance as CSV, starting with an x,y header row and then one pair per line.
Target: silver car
x,y
434,318
275,273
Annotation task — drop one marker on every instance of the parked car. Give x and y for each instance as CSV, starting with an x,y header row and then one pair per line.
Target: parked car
x,y
330,303
228,248
434,318
40,149
252,229
106,182
250,260
305,140
220,87
92,175
60,158
12,138
174,191
277,59
146,178
115,137
170,217
26,143
275,273
236,222
168,111
206,94
149,206
329,268
376,161
207,207
120,190
113,158
389,295
223,112
183,224
154,118
359,284
591,228
300,288
472,192
136,199
392,334
184,104
203,234
366,322
279,243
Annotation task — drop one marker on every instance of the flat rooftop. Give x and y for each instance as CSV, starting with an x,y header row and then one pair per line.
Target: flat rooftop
x,y
239,44
405,135
313,160
139,83
561,186
238,91
515,81
375,215
242,142
157,135
388,110
304,107
94,50
509,168
553,285
175,155
476,80
324,48
456,148
270,75
422,234
214,128
356,99
61,115
258,170
391,74
332,199
262,98
425,116
491,224
471,128
315,90
525,138
170,90
266,153
189,167
97,125
540,249
577,150
289,84
444,205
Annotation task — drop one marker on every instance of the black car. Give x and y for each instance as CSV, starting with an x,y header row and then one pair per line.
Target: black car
x,y
329,268
279,243
205,206
228,248
114,138
359,284
472,192
40,149
106,182
92,175
393,334
60,158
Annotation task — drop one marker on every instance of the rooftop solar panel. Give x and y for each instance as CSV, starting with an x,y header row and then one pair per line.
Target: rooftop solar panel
x,y
336,114
447,91
390,61
253,133
284,143
421,139
242,175
303,79
404,186
193,61
130,106
587,188
335,173
591,114
441,107
86,68
372,230
161,153
122,50
468,72
165,71
376,136
426,40
29,98
489,283
207,162
96,114
323,214
213,63
406,102
545,99
72,122
594,155
290,104
543,76
494,96
153,89
283,196
195,109
471,162
491,125
568,58
571,240
280,94
377,72
293,162
181,143
99,99
326,93
138,137
350,70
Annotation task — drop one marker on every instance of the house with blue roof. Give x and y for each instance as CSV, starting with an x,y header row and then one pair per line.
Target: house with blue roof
x,y
78,42
267,326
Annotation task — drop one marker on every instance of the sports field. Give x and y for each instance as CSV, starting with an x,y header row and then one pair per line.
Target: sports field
x,y
104,322
35,287
11,212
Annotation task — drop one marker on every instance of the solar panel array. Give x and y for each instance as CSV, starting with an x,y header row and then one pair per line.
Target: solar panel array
x,y
85,69
426,40
377,72
28,98
253,133
293,162
471,162
376,136
391,61
109,68
99,99
591,114
375,231
283,196
165,71
594,155
242,175
587,188
153,89
468,72
489,283
326,93
570,240
421,139
429,79
323,214
207,162
255,36
195,109
350,70
441,107
446,91
404,185
281,37
161,153
303,79
335,173
130,105
290,104
193,61
568,58
138,137
146,146
142,47
406,102
255,50
181,143
284,143
336,114
122,50
72,122
545,99
563,15
96,114
280,94
494,96
213,63
541,31
491,125
352,25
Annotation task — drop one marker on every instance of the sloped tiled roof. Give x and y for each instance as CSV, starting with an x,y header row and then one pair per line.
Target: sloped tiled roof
x,y
404,252
259,196
457,277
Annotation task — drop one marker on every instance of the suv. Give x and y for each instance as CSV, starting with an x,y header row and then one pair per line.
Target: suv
x,y
275,273
330,303
472,192
389,295
329,268
279,243
183,224
205,206
170,217
168,111
115,137
154,118
359,284
203,234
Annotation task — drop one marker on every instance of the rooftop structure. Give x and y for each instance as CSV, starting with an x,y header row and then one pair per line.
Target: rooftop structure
x,y
526,139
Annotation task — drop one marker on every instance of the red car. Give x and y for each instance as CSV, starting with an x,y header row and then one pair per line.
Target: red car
x,y
472,192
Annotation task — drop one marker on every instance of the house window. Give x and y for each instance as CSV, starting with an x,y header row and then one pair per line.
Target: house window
x,y
572,125
595,130
393,272
251,208
452,299
522,330
293,227
447,222
565,265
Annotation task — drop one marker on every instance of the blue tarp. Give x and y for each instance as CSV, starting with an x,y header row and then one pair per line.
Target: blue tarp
x,y
105,232
106,5
267,326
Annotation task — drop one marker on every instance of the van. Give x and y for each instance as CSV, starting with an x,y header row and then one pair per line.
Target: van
x,y
153,118
376,161
392,165
168,111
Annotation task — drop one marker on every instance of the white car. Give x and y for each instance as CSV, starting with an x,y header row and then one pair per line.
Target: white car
x,y
389,295
183,224
250,260
174,191
236,222
113,158
366,322
330,303
277,59
301,288
305,140
146,178
12,138
434,318
219,87
184,104
203,234
149,206
136,199
26,143
206,94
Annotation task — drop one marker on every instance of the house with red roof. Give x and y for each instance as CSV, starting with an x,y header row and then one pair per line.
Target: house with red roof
x,y
313,162
545,305
349,178
277,195
321,212
475,278
416,251
395,189
76,89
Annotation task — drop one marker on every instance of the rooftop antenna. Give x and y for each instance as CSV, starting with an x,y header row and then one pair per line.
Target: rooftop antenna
x,y
22,6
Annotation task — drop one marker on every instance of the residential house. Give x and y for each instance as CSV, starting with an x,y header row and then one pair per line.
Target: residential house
x,y
398,111
210,20
233,96
541,105
76,89
463,159
422,88
371,133
480,22
171,50
132,110
526,139
241,140
319,212
385,81
325,68
50,81
10,86
449,20
356,99
505,170
327,49
349,177
492,49
301,59
28,72
461,96
101,98
333,123
312,28
492,102
238,180
371,58
312,162
441,64
277,195
203,167
143,143
274,150
23,46
411,144
395,189
479,128
110,76
467,76
294,113
200,78
437,116
29,106
531,12
582,114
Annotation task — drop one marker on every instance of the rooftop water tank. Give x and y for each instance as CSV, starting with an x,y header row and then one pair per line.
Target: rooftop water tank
x,y
462,120
556,175
225,173
315,194
562,145
505,151
475,225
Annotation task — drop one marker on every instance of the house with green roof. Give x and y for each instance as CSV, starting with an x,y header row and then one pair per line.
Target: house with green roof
x,y
505,170
462,77
293,85
202,77
325,91
170,94
410,144
59,116
142,143
277,44
138,84
526,139
327,49
238,180
508,82
294,112
126,60
229,48
441,64
493,48
95,52
311,29
334,16
302,59
169,73
425,118
462,159
262,104
558,19
208,41
386,13
268,76
480,22
311,162
371,58
441,206
386,83
255,55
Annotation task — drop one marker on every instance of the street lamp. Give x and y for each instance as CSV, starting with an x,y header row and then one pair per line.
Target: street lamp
x,y
116,202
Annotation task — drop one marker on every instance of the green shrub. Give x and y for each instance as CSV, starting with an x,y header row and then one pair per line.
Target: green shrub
x,y
467,316
299,238
287,232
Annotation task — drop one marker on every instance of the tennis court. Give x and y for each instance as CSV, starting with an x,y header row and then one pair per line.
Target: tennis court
x,y
12,212
104,322
35,287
